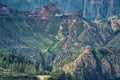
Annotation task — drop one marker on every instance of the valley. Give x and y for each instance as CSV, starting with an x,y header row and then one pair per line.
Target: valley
x,y
59,46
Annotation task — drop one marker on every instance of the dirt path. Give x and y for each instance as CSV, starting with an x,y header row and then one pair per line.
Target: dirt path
x,y
40,77
43,77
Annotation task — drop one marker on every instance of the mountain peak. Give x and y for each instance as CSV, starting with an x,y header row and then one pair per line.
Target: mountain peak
x,y
91,9
48,10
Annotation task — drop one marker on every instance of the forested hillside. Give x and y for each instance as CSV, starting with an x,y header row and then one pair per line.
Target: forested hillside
x,y
60,45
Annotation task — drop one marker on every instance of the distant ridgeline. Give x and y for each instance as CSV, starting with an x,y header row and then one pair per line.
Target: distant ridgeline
x,y
92,9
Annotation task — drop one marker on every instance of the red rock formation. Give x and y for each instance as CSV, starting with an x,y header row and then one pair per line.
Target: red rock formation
x,y
51,6
48,10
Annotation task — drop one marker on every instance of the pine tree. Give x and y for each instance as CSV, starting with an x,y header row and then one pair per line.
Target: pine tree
x,y
30,69
41,69
1,61
21,67
14,68
33,69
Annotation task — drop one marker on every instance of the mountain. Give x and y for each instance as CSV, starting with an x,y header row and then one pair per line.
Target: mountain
x,y
65,41
101,62
92,9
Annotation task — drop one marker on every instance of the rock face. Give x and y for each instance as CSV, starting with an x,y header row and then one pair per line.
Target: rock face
x,y
97,64
49,10
92,9
100,9
57,36
52,39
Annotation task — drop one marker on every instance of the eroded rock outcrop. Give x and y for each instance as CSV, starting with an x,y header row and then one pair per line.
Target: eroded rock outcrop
x,y
49,10
92,9
96,64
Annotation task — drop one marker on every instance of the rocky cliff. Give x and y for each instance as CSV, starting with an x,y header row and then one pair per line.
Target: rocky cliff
x,y
102,62
92,9
96,64
63,39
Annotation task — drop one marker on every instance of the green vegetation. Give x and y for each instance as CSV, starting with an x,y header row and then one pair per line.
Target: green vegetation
x,y
32,35
13,65
18,78
67,60
61,75
47,45
16,64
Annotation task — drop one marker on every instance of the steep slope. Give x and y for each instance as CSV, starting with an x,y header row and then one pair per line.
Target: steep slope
x,y
68,41
96,64
53,38
115,26
102,62
92,9
31,35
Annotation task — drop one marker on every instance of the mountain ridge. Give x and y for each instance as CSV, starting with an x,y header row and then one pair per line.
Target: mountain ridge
x,y
92,9
68,41
99,62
